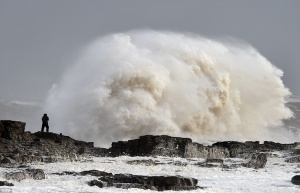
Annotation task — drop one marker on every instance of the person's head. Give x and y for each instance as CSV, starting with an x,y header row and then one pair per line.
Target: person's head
x,y
45,114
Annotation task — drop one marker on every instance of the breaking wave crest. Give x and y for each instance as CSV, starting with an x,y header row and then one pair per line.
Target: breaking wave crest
x,y
148,82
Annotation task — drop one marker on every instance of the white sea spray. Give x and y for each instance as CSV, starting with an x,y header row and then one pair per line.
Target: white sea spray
x,y
151,82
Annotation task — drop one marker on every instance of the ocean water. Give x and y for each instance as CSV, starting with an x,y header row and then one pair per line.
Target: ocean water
x,y
274,178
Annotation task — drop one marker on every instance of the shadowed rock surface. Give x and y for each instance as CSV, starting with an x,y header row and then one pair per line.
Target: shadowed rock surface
x,y
5,183
296,180
21,147
158,183
184,147
164,145
257,160
36,174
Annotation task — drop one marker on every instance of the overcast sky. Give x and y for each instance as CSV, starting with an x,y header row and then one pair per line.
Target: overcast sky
x,y
39,39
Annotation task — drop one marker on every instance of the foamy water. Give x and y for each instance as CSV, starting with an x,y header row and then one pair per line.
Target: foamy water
x,y
274,178
148,82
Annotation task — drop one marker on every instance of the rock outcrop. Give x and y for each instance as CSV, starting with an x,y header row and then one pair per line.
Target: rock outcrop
x,y
5,183
257,160
163,145
296,180
21,147
13,130
150,145
158,183
36,174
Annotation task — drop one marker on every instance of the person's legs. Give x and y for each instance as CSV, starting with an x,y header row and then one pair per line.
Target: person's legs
x,y
42,130
47,127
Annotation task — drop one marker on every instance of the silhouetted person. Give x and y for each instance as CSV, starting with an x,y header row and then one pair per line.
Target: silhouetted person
x,y
45,120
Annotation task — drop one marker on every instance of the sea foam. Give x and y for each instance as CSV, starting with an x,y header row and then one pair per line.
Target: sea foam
x,y
151,82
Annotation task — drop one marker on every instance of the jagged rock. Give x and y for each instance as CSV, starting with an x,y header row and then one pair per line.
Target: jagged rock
x,y
257,161
238,149
296,180
148,162
20,147
149,145
7,160
96,183
36,174
200,151
95,173
12,130
270,145
214,161
98,152
293,159
158,183
5,183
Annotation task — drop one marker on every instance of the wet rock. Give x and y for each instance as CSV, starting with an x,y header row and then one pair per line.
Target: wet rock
x,y
148,162
5,183
96,183
238,149
12,130
293,159
36,174
150,145
215,161
296,180
158,183
200,151
20,147
7,160
257,161
94,173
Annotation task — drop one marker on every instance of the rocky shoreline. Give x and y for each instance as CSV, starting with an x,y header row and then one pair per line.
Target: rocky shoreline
x,y
19,148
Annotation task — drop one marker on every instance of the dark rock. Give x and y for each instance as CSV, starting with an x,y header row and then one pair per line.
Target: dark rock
x,y
257,161
293,159
200,151
95,173
12,130
148,162
214,161
5,183
278,146
98,152
8,160
165,146
158,183
96,183
20,147
296,180
238,149
36,174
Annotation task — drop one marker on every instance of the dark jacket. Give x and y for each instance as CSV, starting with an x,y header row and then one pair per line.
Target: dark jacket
x,y
45,119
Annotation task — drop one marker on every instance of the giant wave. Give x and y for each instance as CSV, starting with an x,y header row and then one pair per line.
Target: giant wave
x,y
152,82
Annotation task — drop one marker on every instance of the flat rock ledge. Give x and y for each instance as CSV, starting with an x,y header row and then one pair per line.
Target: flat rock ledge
x,y
36,174
5,183
125,181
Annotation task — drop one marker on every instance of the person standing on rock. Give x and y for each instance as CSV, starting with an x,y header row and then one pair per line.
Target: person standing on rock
x,y
45,120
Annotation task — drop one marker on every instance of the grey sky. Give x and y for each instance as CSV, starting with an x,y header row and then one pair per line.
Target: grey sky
x,y
39,39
